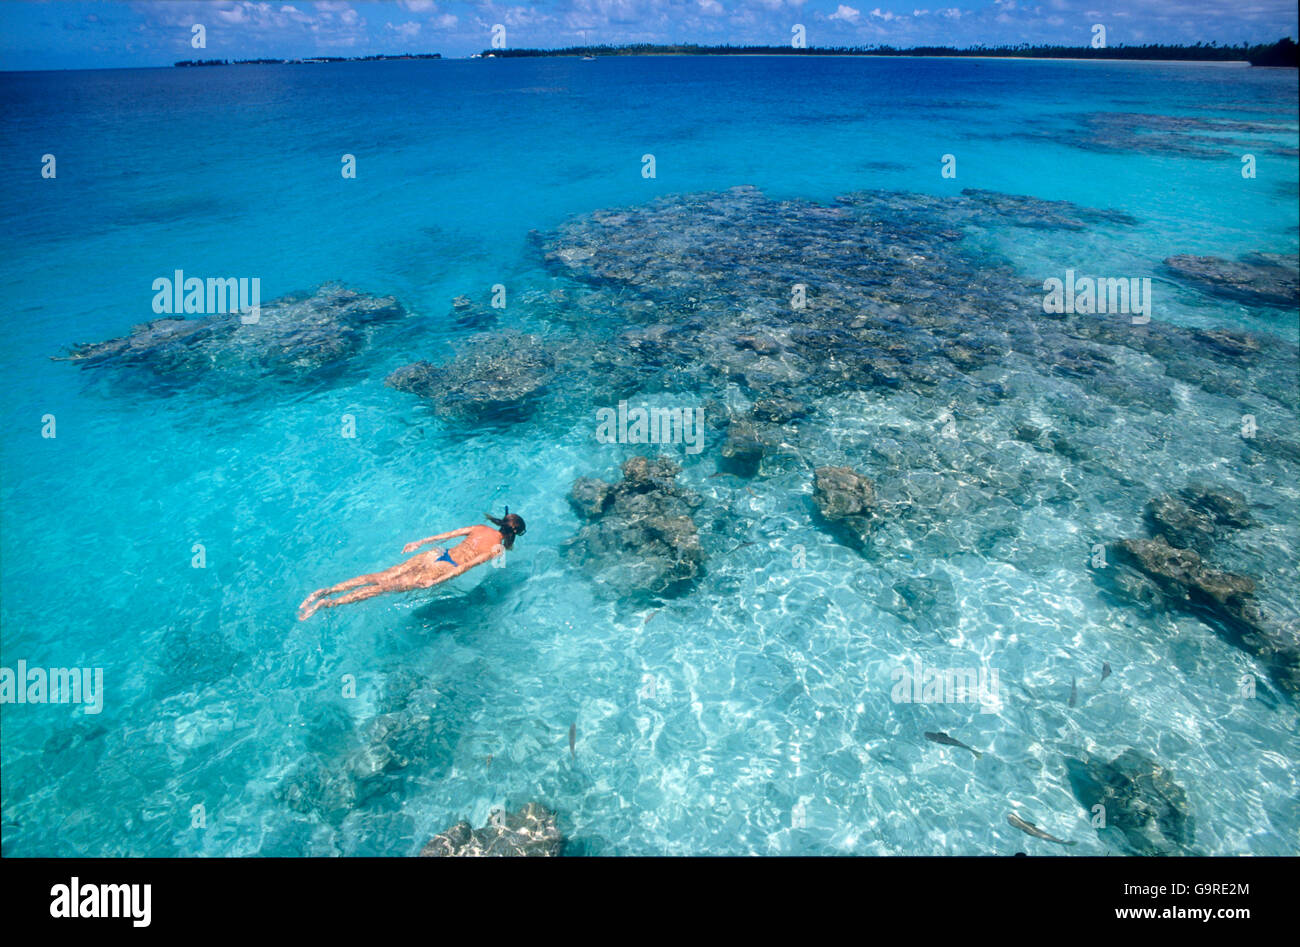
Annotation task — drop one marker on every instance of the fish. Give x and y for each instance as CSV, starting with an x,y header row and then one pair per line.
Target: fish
x,y
720,473
1030,829
741,546
946,740
573,738
489,759
1105,670
1074,692
648,617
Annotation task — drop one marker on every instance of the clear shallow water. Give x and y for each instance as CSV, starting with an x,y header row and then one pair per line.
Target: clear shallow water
x,y
772,685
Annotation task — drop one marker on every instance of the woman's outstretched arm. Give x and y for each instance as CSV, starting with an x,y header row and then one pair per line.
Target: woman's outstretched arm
x,y
411,547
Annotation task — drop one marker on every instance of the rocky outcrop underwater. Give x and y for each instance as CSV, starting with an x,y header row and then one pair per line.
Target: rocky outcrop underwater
x,y
1261,279
529,832
1137,800
294,337
1186,136
639,534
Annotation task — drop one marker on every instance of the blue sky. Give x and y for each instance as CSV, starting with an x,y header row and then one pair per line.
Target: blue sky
x,y
81,35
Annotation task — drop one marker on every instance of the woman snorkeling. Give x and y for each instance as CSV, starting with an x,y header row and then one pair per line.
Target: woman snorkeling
x,y
428,569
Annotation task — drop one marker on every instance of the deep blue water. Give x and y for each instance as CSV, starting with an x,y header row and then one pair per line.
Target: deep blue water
x,y
215,693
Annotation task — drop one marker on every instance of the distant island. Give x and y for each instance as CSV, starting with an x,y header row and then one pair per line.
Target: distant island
x,y
282,62
1282,53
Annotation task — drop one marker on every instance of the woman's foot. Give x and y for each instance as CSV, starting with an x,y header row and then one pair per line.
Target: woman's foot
x,y
304,611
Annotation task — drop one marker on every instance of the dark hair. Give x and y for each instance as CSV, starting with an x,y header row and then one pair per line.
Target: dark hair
x,y
510,525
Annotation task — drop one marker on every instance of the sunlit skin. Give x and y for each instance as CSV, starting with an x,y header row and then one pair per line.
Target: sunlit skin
x,y
424,571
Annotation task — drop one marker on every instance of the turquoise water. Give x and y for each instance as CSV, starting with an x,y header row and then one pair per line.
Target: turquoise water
x,y
772,688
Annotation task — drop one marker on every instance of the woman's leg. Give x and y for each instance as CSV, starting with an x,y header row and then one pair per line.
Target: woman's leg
x,y
373,578
370,591
412,574
387,577
357,596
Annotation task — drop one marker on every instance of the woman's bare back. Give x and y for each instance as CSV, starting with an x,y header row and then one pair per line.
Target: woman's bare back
x,y
482,540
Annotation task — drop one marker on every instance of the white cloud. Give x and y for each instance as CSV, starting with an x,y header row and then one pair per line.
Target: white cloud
x,y
322,25
408,30
847,14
